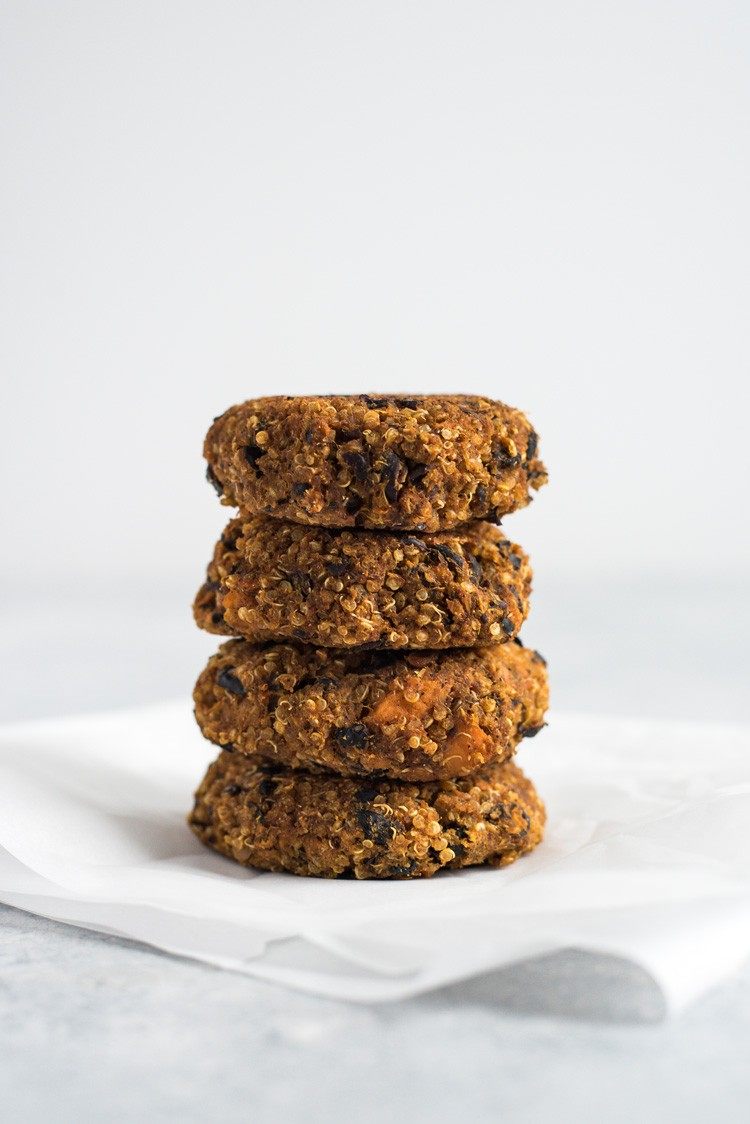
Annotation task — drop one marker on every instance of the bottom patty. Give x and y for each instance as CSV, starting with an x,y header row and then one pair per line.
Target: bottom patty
x,y
336,827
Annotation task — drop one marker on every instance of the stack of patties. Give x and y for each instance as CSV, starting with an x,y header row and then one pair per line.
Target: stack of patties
x,y
370,705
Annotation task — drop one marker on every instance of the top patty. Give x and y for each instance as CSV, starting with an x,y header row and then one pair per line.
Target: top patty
x,y
425,462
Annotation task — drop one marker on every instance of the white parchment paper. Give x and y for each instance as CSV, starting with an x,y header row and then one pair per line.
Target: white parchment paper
x,y
647,856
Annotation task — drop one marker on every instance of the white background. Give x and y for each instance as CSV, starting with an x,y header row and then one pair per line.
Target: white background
x,y
541,200
544,202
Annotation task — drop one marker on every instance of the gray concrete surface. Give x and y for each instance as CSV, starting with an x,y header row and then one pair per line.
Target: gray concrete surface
x,y
94,1028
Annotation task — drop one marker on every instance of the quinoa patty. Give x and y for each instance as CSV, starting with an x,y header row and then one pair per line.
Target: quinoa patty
x,y
423,462
335,827
272,580
414,716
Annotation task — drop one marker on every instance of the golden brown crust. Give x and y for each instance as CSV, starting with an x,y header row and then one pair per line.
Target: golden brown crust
x,y
272,580
333,827
423,462
418,716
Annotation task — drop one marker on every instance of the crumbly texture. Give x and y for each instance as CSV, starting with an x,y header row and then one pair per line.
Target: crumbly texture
x,y
423,462
335,827
418,716
272,580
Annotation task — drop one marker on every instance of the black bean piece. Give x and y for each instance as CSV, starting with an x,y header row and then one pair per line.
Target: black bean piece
x,y
300,488
515,560
267,787
233,789
503,459
448,554
376,826
359,463
253,453
344,435
375,403
353,504
410,540
476,568
507,626
324,682
401,871
229,681
530,731
416,471
392,465
351,737
338,568
214,481
531,446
